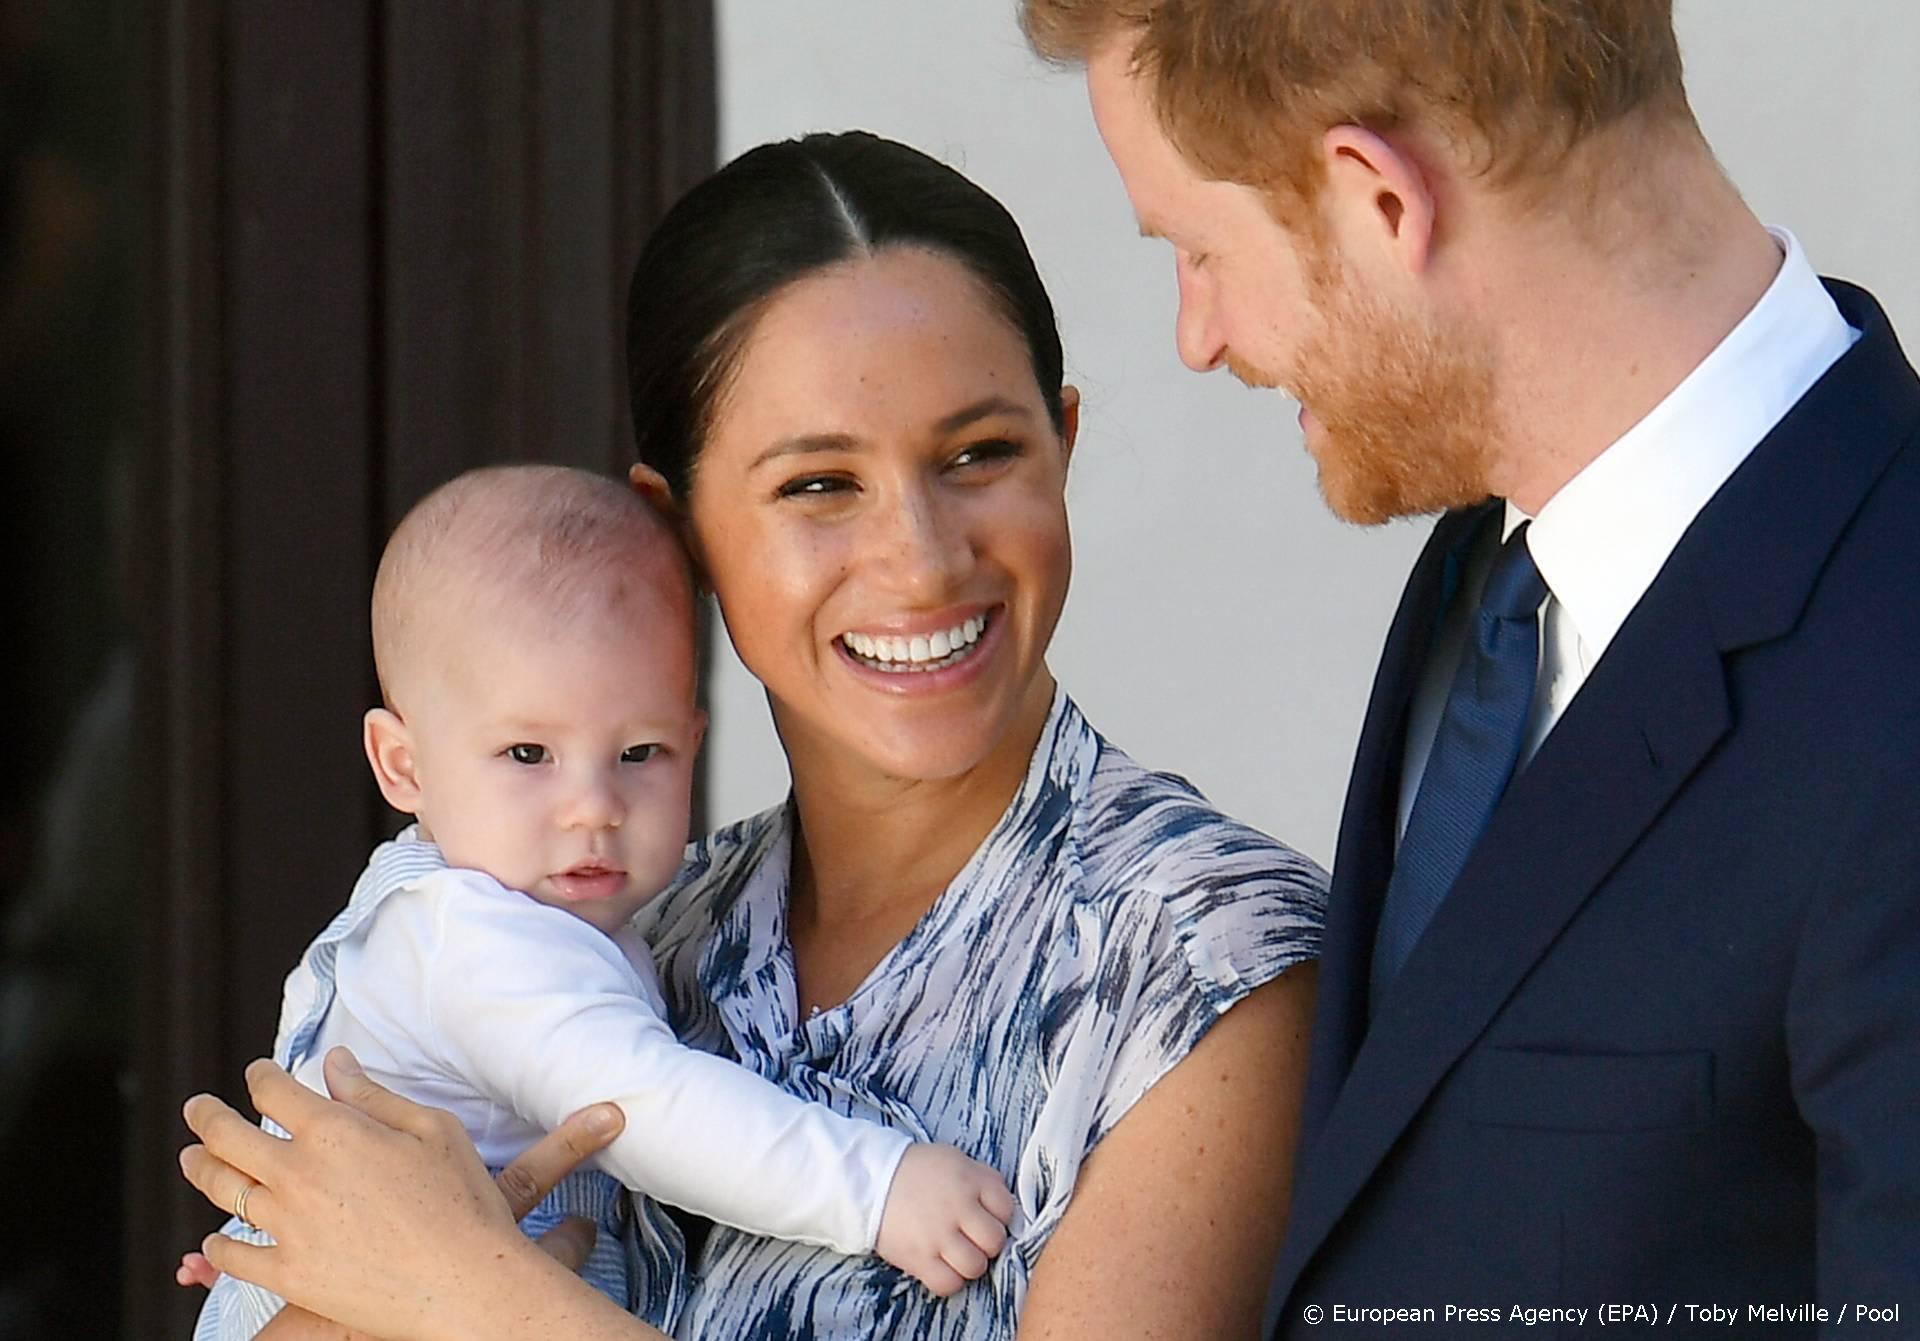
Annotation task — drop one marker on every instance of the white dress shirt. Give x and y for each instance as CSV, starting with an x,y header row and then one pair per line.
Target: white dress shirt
x,y
1603,538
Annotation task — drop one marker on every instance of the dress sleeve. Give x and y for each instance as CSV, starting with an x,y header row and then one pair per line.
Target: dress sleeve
x,y
544,1014
1190,953
1140,969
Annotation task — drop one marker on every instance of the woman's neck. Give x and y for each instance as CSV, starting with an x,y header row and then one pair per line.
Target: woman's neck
x,y
872,853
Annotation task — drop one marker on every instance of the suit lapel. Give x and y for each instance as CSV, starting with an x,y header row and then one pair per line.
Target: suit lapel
x,y
1617,757
1653,709
1365,852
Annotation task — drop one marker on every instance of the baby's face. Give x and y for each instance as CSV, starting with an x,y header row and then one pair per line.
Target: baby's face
x,y
562,764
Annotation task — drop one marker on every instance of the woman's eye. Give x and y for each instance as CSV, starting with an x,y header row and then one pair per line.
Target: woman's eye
x,y
527,754
814,486
982,453
638,754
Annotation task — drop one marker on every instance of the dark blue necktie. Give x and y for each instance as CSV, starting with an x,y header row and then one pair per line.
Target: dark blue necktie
x,y
1473,758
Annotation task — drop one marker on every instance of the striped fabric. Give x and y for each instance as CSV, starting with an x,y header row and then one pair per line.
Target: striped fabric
x,y
1107,921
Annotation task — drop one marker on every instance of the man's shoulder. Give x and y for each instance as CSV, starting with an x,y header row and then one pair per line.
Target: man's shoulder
x,y
1845,500
1819,517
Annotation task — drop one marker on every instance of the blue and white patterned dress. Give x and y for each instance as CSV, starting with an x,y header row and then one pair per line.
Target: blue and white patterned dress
x,y
1103,926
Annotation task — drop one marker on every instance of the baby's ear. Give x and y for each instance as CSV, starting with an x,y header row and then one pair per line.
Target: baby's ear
x,y
389,748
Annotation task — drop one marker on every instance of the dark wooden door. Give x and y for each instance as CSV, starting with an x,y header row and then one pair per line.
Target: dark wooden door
x,y
385,240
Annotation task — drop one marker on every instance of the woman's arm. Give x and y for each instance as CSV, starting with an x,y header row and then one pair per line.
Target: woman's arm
x,y
385,1219
296,1324
1177,1215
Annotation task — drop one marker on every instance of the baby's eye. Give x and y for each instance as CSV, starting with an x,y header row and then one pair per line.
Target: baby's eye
x,y
638,754
527,754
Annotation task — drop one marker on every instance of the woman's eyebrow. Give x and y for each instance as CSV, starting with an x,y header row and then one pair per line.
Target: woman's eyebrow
x,y
801,443
980,409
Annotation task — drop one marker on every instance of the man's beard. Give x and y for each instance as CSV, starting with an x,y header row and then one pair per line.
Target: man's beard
x,y
1405,409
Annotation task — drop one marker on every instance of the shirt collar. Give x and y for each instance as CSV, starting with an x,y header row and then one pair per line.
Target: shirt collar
x,y
1600,541
401,860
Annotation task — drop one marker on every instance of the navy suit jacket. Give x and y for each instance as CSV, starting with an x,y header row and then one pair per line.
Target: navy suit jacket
x,y
1660,1045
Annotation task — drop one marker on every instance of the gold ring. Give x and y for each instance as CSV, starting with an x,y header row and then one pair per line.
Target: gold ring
x,y
240,1206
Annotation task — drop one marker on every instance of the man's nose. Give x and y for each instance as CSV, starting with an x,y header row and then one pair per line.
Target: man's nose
x,y
1196,331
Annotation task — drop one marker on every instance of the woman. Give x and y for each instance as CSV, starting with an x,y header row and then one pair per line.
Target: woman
x,y
974,918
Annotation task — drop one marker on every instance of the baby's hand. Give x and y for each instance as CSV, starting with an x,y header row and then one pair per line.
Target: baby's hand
x,y
195,1269
945,1217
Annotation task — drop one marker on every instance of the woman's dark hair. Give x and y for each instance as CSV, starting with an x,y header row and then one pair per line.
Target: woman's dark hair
x,y
776,214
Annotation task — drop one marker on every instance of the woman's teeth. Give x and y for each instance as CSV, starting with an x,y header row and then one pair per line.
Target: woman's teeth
x,y
921,652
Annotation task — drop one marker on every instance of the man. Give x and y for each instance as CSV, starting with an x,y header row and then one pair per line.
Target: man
x,y
1621,986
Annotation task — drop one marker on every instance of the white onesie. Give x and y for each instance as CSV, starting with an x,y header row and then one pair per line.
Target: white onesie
x,y
459,993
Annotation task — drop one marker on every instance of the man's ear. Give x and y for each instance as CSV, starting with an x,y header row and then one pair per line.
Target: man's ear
x,y
651,485
1379,197
1069,419
389,747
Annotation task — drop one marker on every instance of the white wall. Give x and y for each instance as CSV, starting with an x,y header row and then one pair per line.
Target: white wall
x,y
1814,108
1221,623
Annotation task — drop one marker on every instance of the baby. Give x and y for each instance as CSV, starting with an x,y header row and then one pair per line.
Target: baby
x,y
533,633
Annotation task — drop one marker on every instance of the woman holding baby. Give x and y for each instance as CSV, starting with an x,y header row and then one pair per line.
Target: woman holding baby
x,y
974,920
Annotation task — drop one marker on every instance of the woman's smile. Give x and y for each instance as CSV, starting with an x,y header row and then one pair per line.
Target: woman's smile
x,y
924,656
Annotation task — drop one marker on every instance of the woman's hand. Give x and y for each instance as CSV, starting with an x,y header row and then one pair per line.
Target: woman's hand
x,y
383,1216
